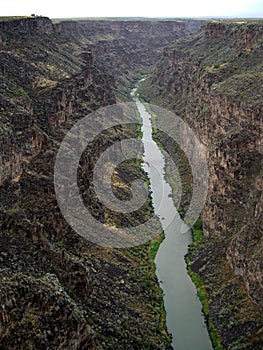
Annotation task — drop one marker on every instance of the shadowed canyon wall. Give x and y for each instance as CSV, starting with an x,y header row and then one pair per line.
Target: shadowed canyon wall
x,y
57,290
213,80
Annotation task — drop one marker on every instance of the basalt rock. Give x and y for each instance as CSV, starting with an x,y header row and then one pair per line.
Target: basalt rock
x,y
57,289
213,80
127,48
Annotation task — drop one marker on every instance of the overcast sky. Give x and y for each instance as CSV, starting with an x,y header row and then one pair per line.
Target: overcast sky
x,y
133,8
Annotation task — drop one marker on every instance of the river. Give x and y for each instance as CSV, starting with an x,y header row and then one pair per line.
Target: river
x,y
184,318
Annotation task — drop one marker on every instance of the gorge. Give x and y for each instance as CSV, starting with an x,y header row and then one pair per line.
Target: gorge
x,y
212,80
184,318
59,291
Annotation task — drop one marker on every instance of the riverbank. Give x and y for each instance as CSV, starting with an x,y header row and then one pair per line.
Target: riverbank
x,y
170,265
152,246
171,149
143,256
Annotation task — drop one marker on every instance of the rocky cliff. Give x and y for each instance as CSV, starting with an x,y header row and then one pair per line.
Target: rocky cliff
x,y
127,48
57,290
213,79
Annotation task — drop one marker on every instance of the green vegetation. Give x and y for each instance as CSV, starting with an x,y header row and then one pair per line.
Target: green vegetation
x,y
200,287
154,246
12,211
222,101
204,298
153,249
198,239
11,18
198,234
230,68
144,255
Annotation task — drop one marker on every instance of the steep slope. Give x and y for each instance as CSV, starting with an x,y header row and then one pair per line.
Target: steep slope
x,y
213,79
127,48
58,290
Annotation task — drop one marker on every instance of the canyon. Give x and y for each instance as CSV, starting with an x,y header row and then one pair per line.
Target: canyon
x,y
60,291
213,80
57,289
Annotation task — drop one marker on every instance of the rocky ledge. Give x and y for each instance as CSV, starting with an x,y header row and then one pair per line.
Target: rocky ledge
x,y
57,289
213,79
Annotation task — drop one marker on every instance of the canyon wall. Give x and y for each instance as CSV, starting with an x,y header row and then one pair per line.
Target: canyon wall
x,y
213,80
127,48
58,290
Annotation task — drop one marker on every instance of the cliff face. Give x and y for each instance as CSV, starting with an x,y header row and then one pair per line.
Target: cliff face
x,y
39,89
33,26
57,290
127,48
41,81
213,79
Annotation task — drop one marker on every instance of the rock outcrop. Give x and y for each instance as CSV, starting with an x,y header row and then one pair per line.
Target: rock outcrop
x,y
127,48
213,79
57,290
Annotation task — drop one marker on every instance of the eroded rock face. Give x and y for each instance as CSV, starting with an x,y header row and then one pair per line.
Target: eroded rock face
x,y
39,93
58,290
127,48
42,81
213,81
41,313
25,26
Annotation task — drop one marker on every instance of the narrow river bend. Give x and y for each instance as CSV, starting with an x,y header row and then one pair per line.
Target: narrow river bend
x,y
184,317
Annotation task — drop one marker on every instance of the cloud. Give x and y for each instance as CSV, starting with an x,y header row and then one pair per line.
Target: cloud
x,y
115,8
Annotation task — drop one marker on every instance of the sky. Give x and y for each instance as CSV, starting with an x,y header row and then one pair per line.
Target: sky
x,y
133,8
